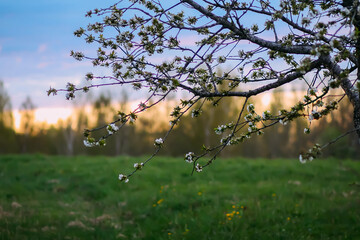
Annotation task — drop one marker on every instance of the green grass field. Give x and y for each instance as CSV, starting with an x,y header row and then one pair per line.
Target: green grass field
x,y
45,197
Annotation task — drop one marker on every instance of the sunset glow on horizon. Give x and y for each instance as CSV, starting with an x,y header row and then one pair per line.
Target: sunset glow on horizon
x,y
49,116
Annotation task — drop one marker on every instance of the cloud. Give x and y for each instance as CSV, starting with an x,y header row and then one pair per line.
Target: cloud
x,y
42,65
42,48
18,59
189,40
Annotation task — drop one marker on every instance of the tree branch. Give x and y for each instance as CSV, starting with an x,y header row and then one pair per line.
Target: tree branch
x,y
244,34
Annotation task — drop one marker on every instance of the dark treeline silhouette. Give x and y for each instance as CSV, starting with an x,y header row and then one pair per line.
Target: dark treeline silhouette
x,y
66,138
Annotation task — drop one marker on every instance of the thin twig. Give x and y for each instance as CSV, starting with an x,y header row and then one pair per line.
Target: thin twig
x,y
339,137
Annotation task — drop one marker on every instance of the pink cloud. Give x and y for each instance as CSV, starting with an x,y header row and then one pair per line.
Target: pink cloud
x,y
18,59
42,48
42,65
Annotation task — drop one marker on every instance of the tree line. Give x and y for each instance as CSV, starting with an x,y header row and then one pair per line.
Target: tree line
x,y
66,137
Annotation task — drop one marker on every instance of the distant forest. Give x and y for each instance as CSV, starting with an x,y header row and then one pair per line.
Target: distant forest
x,y
66,138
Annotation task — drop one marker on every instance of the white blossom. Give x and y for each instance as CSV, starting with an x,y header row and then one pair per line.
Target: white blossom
x,y
189,157
132,120
195,113
250,107
198,168
112,128
345,11
266,114
311,117
248,117
158,142
306,130
124,178
260,133
220,129
138,165
283,122
87,143
301,159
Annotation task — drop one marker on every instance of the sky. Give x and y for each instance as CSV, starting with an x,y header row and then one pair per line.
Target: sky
x,y
36,38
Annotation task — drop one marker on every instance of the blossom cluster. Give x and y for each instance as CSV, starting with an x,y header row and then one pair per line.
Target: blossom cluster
x,y
91,142
198,168
112,128
312,153
189,157
221,128
123,178
138,166
158,142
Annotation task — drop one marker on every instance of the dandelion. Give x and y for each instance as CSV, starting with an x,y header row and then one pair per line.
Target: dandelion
x,y
198,168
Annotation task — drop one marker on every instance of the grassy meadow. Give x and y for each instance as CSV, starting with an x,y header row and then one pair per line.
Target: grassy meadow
x,y
43,197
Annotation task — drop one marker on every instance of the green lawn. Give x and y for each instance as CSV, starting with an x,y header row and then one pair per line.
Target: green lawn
x,y
45,197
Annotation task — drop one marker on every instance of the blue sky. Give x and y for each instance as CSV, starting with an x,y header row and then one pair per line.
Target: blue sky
x,y
35,41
